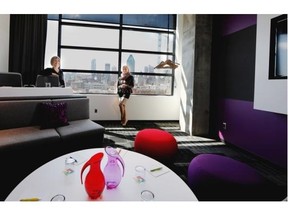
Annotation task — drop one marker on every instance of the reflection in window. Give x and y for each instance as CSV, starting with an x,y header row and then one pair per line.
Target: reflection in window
x,y
163,21
104,18
278,48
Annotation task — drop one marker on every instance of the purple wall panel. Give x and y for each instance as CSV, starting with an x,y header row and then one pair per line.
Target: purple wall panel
x,y
262,133
234,23
259,132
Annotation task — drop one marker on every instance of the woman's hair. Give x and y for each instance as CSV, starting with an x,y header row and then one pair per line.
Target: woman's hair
x,y
125,66
54,58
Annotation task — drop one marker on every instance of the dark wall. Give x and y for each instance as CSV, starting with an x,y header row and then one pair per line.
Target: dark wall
x,y
233,58
239,58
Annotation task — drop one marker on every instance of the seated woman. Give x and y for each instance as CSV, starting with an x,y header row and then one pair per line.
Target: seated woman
x,y
55,70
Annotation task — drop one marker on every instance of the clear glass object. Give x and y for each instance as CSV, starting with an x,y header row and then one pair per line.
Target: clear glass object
x,y
147,195
58,197
70,162
140,172
47,84
113,172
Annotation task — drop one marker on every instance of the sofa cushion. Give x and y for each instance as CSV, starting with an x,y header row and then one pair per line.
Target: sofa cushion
x,y
30,146
20,137
81,134
22,150
53,114
19,113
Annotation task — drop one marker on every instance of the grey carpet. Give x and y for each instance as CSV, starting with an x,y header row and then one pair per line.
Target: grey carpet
x,y
190,146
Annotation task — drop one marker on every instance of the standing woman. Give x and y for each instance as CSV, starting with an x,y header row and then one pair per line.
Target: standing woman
x,y
124,90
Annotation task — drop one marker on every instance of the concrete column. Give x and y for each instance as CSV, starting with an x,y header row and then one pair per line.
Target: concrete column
x,y
202,73
186,46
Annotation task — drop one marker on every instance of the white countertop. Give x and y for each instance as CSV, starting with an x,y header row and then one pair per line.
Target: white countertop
x,y
34,91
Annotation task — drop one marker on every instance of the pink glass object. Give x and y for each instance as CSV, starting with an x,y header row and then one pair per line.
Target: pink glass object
x,y
94,181
221,136
112,171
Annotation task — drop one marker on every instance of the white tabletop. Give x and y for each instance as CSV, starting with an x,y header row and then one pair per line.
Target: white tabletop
x,y
49,180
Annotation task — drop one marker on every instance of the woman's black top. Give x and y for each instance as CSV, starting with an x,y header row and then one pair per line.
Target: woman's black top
x,y
51,71
127,91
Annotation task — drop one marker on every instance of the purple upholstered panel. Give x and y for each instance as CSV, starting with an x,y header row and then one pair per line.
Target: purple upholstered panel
x,y
215,177
236,22
225,169
259,132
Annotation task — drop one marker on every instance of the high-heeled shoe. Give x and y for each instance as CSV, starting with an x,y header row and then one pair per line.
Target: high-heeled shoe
x,y
125,123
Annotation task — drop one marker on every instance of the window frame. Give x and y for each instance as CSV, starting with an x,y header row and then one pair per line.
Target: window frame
x,y
121,27
275,25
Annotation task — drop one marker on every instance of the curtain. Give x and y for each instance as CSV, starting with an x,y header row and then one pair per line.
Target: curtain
x,y
27,45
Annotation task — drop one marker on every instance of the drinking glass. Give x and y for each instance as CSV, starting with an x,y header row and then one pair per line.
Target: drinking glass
x,y
47,84
147,195
58,197
140,172
70,162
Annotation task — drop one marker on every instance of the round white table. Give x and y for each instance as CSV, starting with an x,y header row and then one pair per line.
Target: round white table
x,y
50,179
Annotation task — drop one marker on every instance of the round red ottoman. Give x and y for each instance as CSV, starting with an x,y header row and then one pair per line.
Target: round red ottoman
x,y
156,143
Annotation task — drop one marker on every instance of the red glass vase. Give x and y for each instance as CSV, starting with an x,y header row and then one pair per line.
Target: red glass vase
x,y
95,180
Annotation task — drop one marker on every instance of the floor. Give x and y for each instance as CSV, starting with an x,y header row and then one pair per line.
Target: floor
x,y
189,147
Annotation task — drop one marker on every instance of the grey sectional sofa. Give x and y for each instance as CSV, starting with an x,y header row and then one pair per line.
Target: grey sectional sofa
x,y
24,145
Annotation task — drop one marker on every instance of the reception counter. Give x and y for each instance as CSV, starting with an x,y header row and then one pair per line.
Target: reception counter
x,y
19,92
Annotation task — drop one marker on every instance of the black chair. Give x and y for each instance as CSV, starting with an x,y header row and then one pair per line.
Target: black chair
x,y
41,81
11,79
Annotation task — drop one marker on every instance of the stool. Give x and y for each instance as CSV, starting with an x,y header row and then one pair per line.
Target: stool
x,y
215,177
157,144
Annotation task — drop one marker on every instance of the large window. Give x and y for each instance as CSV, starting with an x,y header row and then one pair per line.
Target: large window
x,y
93,49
